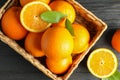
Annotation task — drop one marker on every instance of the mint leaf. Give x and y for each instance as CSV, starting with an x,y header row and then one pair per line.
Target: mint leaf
x,y
52,16
68,25
115,76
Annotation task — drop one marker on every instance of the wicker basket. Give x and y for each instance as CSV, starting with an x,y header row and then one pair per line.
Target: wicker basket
x,y
95,26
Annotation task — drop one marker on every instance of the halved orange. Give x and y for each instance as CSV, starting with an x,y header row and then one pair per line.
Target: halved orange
x,y
102,63
30,16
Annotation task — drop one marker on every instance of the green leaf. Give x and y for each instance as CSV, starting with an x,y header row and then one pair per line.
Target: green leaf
x,y
52,16
115,76
68,25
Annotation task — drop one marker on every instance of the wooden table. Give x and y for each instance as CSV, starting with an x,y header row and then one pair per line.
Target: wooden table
x,y
14,67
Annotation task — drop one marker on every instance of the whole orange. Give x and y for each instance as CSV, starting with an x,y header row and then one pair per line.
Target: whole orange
x,y
32,44
116,40
65,8
81,38
59,66
11,25
57,43
24,2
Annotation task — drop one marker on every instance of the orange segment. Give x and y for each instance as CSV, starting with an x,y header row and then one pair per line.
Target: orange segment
x,y
30,16
102,63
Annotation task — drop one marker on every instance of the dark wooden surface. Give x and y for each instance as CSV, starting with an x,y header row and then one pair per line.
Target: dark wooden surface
x,y
14,67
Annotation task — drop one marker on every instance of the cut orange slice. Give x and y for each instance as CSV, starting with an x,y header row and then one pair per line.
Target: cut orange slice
x,y
30,16
102,63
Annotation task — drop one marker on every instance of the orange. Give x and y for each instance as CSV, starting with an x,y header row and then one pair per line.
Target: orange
x,y
102,63
81,38
116,40
57,43
65,8
59,66
11,25
24,2
30,16
32,44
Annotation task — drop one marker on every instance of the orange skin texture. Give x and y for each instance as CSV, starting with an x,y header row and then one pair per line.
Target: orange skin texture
x,y
59,66
11,25
32,44
57,42
116,40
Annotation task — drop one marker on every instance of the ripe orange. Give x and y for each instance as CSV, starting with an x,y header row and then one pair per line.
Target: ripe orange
x,y
11,25
57,42
102,63
30,16
116,40
32,44
24,2
65,8
59,66
81,38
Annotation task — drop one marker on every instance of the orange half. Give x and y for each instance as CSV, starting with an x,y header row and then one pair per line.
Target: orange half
x,y
102,63
30,16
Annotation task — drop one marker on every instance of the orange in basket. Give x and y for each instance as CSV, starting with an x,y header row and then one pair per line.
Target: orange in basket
x,y
57,42
11,25
65,8
32,44
24,2
30,16
59,66
81,38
